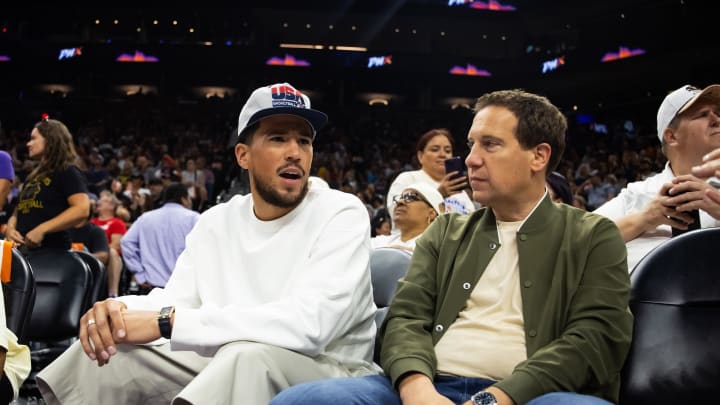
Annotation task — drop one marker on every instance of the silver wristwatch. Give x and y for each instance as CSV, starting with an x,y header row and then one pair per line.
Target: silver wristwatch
x,y
484,398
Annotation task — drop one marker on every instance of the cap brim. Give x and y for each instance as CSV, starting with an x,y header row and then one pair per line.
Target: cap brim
x,y
712,91
317,119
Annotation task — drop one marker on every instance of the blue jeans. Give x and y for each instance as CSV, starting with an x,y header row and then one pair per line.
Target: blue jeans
x,y
376,389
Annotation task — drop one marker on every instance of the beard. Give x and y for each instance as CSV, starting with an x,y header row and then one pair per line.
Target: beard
x,y
273,197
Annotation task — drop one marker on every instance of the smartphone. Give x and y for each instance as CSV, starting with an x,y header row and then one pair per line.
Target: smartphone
x,y
456,164
695,214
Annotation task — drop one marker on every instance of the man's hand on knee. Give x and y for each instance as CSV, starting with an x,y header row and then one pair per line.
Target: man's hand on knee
x,y
101,328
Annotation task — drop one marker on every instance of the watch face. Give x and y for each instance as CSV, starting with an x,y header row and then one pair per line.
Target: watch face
x,y
484,398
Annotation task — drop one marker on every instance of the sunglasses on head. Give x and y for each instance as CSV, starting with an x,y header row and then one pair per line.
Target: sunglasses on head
x,y
409,197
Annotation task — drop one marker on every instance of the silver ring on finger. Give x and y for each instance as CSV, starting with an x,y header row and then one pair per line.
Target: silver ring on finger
x,y
90,322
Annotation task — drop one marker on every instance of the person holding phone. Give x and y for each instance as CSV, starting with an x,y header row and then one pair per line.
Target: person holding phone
x,y
651,211
433,149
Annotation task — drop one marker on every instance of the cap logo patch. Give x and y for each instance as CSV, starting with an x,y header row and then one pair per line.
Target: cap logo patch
x,y
287,96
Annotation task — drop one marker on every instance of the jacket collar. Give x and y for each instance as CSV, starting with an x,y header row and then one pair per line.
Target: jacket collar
x,y
538,219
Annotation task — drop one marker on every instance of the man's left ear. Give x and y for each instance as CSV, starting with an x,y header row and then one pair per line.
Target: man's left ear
x,y
241,155
541,156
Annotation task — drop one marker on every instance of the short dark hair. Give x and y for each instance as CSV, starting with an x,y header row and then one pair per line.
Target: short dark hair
x,y
377,221
174,193
245,136
560,186
539,121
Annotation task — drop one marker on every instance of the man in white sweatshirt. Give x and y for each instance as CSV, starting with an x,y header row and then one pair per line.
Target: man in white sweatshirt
x,y
273,288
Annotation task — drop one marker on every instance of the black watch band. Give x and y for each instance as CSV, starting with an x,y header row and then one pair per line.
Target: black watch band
x,y
164,321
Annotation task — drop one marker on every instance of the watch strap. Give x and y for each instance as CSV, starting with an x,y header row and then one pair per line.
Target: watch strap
x,y
164,321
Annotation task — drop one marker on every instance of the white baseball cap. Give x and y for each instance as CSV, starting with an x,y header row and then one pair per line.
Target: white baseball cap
x,y
680,100
279,98
430,194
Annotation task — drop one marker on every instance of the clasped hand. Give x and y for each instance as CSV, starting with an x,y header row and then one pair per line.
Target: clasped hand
x,y
108,323
689,193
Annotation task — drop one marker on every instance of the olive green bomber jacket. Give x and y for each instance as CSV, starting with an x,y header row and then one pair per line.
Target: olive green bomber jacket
x,y
574,285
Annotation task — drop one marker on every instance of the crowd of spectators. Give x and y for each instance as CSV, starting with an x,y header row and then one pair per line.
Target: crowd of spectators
x,y
135,147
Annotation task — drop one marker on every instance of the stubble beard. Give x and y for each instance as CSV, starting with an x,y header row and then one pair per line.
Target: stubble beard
x,y
273,197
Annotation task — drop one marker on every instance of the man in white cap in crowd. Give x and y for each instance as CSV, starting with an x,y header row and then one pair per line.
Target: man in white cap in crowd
x,y
688,125
413,211
273,288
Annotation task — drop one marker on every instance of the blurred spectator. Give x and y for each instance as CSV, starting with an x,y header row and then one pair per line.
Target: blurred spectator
x,y
597,190
153,243
97,175
114,228
194,180
559,188
380,223
7,176
433,148
579,202
91,237
415,209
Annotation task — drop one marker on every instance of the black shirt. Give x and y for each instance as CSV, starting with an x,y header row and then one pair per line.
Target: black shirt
x,y
45,198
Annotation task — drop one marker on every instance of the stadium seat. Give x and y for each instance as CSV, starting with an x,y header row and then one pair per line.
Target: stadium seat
x,y
19,294
63,289
99,290
674,357
387,266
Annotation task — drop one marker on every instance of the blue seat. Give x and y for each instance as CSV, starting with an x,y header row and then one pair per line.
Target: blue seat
x,y
675,356
387,266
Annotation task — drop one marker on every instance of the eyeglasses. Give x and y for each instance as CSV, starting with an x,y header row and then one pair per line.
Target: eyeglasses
x,y
409,197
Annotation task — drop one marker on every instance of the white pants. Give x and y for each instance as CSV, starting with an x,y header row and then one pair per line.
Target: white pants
x,y
239,373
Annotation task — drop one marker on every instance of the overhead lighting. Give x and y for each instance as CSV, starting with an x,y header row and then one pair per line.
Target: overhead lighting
x,y
302,46
351,48
377,99
331,47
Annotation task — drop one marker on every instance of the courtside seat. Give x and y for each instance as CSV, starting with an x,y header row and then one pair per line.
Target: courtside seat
x,y
675,356
387,266
99,290
19,294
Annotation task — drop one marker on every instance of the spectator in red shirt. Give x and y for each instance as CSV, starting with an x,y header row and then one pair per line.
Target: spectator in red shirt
x,y
114,228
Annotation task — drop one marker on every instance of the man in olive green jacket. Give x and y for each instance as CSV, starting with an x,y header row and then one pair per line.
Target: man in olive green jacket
x,y
523,301
574,287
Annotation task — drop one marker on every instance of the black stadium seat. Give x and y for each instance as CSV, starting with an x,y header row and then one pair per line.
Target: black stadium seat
x,y
675,356
99,290
19,295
